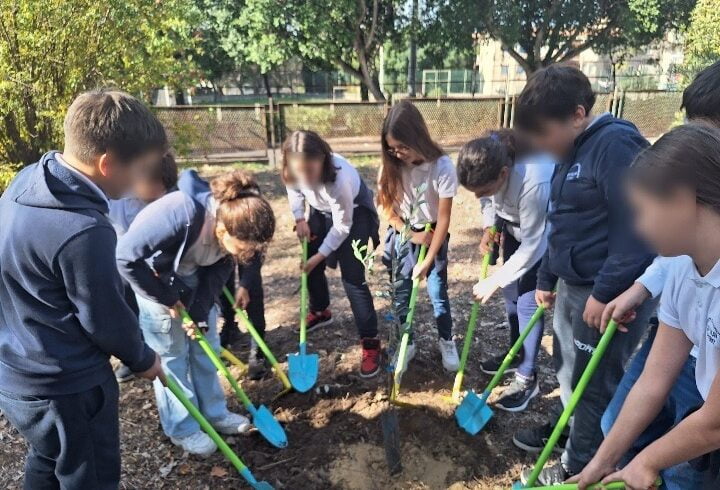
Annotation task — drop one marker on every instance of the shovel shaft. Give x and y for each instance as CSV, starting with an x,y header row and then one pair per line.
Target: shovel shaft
x,y
258,340
574,400
219,365
209,430
472,324
616,485
304,293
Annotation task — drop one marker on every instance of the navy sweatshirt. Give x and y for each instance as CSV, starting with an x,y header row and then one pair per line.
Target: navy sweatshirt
x,y
62,309
591,240
149,253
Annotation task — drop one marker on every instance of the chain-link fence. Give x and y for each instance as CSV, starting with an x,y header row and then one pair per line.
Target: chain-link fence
x,y
218,133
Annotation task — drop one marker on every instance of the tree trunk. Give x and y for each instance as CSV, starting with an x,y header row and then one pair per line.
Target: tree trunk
x,y
412,62
266,81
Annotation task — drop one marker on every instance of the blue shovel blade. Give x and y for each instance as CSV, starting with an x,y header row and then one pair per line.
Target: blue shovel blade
x,y
303,370
257,485
269,427
473,413
517,486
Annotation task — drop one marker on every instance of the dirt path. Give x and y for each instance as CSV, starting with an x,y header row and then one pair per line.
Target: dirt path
x,y
335,439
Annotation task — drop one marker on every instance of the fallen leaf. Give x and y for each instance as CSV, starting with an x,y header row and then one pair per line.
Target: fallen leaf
x,y
218,472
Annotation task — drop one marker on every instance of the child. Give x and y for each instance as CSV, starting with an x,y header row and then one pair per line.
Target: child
x,y
178,253
154,183
63,312
341,211
676,196
701,101
417,184
513,185
592,252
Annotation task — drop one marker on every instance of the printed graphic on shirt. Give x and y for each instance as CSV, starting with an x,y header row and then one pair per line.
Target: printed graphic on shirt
x,y
712,333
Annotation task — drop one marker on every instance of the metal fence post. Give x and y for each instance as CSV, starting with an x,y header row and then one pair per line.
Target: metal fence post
x,y
271,156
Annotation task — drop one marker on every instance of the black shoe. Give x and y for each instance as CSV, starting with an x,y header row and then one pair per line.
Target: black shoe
x,y
549,476
516,397
123,374
491,366
257,365
534,440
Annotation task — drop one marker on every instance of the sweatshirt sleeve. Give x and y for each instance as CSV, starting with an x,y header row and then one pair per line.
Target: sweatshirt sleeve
x,y
627,255
342,205
297,202
546,280
533,206
93,286
211,280
160,225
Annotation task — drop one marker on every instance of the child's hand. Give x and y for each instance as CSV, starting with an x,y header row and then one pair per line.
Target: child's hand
x,y
420,271
242,298
176,310
593,472
622,308
488,240
302,230
484,289
422,237
313,262
545,299
637,475
191,329
593,312
155,371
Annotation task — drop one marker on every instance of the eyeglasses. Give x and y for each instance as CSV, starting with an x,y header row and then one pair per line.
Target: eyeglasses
x,y
401,149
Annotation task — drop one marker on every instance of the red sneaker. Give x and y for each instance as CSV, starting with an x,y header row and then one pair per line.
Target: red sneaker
x,y
317,319
370,364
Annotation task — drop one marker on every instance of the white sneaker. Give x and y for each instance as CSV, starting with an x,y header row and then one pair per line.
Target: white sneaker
x,y
409,355
197,443
232,424
448,351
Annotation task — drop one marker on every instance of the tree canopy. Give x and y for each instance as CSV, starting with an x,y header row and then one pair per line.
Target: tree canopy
x,y
703,35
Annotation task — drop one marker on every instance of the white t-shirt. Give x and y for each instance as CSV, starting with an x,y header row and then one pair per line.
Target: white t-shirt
x,y
440,182
336,198
691,302
206,250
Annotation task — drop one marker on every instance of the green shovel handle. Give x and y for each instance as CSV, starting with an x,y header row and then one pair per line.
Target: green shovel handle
x,y
574,400
217,362
258,339
416,283
304,293
616,485
209,430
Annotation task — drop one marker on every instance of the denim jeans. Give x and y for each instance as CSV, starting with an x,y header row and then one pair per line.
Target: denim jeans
x,y
191,367
683,399
520,306
74,440
573,344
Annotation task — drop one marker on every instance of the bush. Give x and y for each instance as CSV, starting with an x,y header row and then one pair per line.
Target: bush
x,y
7,173
318,119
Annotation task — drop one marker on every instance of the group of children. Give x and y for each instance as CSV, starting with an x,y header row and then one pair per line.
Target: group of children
x,y
104,251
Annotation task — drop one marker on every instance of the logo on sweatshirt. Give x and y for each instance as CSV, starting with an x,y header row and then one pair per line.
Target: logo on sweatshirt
x,y
574,172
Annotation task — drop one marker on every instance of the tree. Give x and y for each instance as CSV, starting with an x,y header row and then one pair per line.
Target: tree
x,y
538,33
703,36
50,50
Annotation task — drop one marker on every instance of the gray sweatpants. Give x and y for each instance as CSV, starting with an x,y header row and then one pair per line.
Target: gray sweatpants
x,y
573,344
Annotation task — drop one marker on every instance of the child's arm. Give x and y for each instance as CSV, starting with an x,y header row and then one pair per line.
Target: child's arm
x,y
438,237
667,357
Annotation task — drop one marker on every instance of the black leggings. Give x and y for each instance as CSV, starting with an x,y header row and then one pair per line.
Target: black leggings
x,y
252,280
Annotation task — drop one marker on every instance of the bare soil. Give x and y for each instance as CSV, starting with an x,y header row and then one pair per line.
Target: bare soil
x,y
335,438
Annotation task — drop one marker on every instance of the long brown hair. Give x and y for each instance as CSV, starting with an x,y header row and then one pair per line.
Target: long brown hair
x,y
310,145
243,211
405,123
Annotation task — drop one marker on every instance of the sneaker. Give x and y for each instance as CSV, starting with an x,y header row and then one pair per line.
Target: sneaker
x,y
551,475
409,355
257,365
448,351
492,366
232,424
533,440
370,364
317,319
198,443
123,374
517,396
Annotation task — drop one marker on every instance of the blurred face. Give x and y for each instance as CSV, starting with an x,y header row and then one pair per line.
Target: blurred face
x,y
557,136
667,223
402,152
493,187
118,177
307,171
242,250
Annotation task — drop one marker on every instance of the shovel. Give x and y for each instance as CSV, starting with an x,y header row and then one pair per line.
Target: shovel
x,y
616,485
262,418
472,323
277,369
303,367
402,351
230,357
570,408
210,431
474,412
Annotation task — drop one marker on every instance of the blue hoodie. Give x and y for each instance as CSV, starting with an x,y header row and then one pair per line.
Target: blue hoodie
x,y
150,252
591,240
62,309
